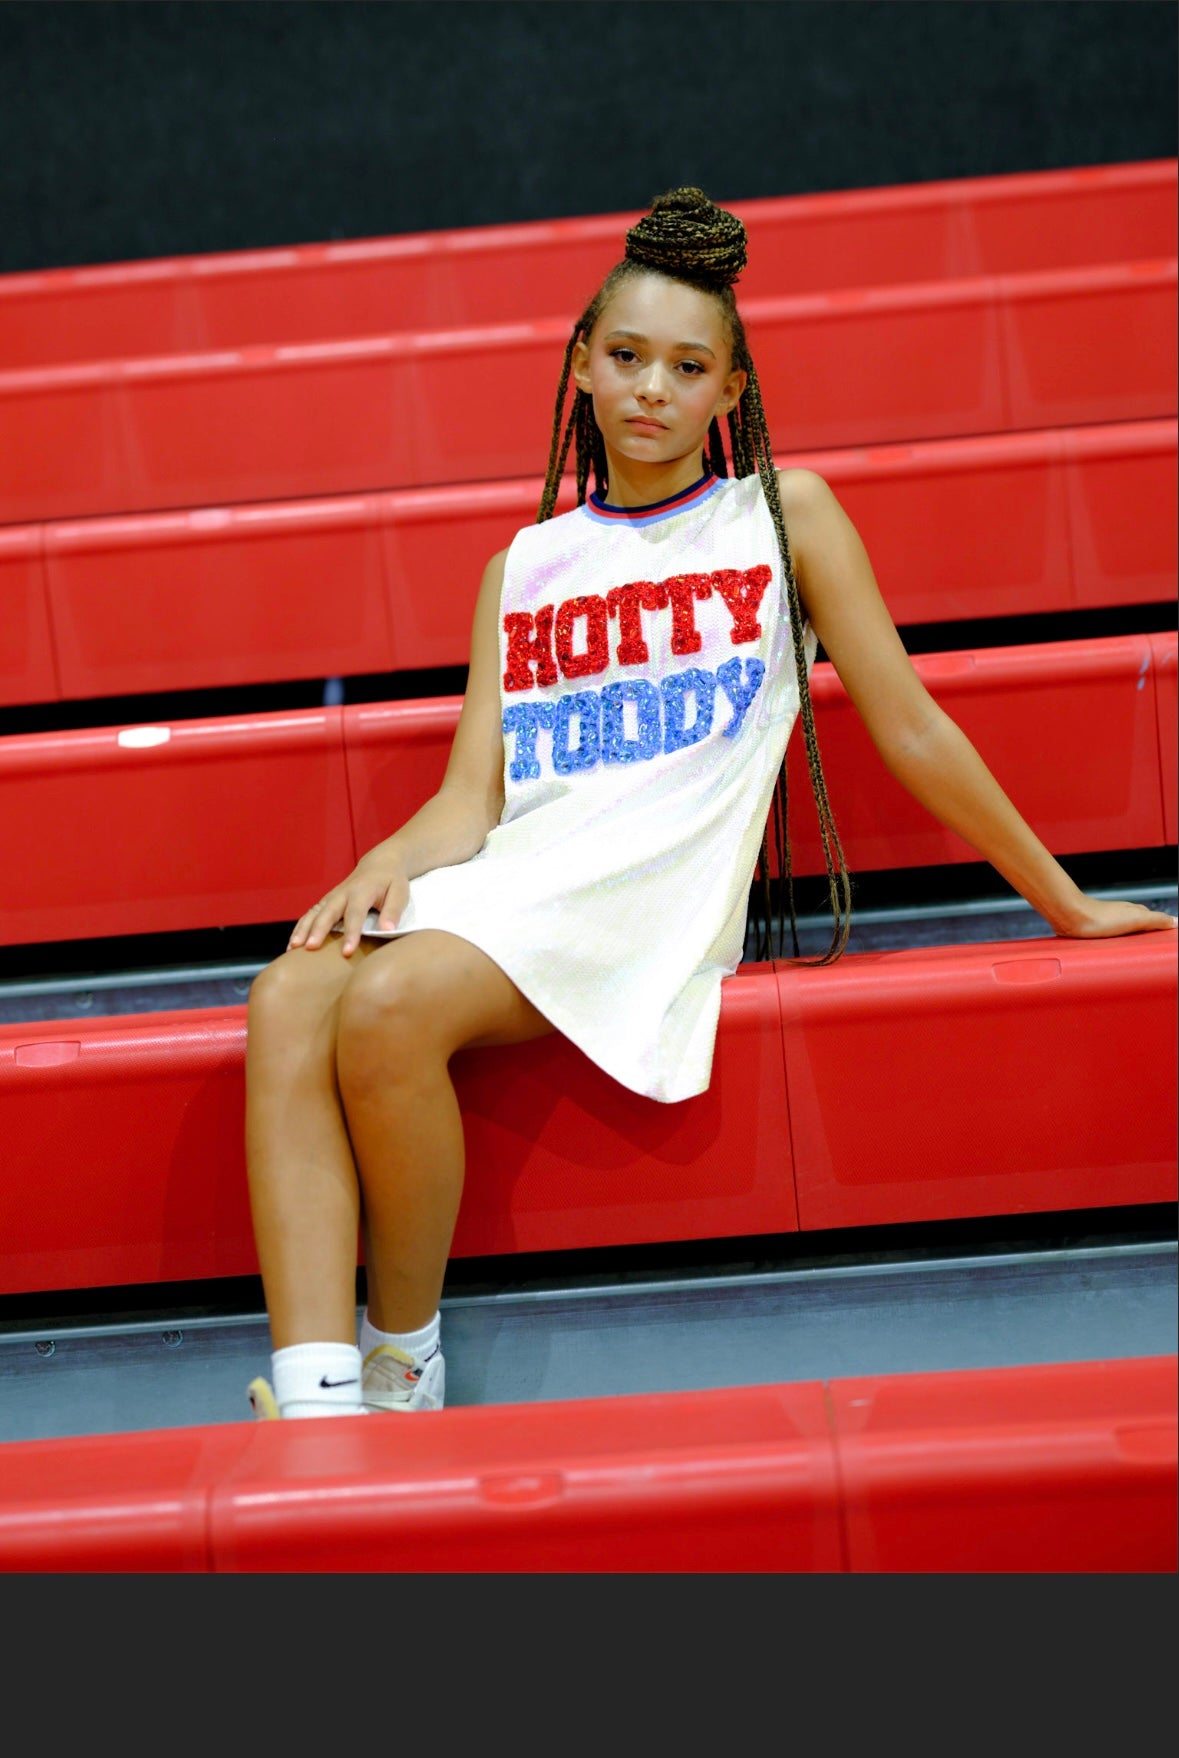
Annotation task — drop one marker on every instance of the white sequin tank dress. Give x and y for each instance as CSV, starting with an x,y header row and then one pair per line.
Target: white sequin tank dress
x,y
648,690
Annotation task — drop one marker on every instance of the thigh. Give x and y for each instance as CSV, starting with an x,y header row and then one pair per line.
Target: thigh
x,y
442,986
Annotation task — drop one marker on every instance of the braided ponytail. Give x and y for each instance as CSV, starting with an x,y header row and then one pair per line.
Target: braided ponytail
x,y
686,237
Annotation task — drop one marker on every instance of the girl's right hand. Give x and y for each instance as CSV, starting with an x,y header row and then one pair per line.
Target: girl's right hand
x,y
378,882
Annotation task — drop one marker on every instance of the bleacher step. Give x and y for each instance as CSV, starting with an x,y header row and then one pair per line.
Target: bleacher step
x,y
683,1333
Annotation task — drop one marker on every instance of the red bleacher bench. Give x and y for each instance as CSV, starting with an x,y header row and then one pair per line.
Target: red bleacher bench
x,y
493,274
1058,1468
1163,650
1062,1468
890,1087
988,1079
239,819
863,366
235,595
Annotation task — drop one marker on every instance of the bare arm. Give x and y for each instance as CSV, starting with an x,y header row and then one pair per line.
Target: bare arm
x,y
453,824
920,745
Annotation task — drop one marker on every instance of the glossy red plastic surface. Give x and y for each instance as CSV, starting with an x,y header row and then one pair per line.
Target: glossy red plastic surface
x,y
861,366
808,243
396,755
124,1151
1056,333
1061,1468
1123,518
113,1503
1067,728
739,1479
27,669
1164,648
219,595
991,1079
559,1155
190,824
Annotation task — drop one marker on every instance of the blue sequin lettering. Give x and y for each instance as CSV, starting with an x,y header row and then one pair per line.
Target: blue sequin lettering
x,y
676,690
616,747
525,719
740,692
583,703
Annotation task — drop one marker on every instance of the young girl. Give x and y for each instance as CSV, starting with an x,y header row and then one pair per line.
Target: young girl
x,y
636,667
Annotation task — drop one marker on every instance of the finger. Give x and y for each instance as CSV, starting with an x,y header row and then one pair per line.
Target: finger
x,y
390,913
324,917
1137,918
1145,919
355,912
301,928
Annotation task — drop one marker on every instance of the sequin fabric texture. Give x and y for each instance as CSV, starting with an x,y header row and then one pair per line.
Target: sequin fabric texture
x,y
648,689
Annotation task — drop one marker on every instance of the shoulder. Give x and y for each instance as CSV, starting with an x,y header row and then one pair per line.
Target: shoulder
x,y
817,525
493,573
805,495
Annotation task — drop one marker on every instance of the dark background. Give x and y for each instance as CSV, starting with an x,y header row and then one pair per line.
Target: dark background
x,y
132,130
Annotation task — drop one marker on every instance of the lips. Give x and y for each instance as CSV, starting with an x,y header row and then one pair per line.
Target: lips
x,y
644,424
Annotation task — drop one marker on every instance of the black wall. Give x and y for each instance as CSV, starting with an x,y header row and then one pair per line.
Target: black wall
x,y
133,130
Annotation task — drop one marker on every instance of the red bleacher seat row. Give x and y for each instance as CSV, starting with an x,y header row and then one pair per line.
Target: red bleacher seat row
x,y
990,1079
862,366
1067,1467
209,823
946,230
1055,519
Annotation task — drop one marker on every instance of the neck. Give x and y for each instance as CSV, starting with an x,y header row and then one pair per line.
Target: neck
x,y
634,484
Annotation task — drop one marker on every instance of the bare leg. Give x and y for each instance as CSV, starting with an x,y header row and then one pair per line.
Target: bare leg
x,y
382,1026
304,1193
400,1022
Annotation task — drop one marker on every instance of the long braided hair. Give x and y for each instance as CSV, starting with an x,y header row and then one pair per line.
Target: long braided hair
x,y
686,238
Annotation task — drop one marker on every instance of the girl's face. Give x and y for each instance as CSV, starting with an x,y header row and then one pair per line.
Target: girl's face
x,y
657,365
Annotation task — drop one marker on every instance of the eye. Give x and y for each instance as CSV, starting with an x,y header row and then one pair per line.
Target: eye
x,y
623,355
692,367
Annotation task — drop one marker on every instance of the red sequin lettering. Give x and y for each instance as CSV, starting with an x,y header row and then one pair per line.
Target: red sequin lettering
x,y
682,591
742,590
526,649
597,648
624,602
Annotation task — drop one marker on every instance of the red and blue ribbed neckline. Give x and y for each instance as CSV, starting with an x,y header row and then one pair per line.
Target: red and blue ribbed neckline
x,y
605,514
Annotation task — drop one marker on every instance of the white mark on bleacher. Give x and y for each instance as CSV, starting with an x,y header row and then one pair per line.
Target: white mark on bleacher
x,y
1143,669
139,738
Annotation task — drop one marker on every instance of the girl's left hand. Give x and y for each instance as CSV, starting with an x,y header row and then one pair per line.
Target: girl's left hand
x,y
1101,919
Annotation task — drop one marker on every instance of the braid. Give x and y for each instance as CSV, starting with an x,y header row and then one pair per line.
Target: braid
x,y
686,238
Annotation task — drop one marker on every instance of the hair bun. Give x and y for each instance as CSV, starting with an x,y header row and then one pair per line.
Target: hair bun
x,y
687,236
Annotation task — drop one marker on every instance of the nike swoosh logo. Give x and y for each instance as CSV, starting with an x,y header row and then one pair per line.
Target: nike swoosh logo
x,y
330,1385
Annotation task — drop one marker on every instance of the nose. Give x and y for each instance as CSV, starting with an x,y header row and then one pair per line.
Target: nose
x,y
652,387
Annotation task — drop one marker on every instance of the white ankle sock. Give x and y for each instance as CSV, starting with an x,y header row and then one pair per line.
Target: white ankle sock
x,y
317,1379
417,1343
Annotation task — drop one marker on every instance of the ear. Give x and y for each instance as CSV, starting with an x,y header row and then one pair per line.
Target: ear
x,y
733,391
579,365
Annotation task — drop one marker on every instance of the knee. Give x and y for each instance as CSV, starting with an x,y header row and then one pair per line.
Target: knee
x,y
388,1025
280,996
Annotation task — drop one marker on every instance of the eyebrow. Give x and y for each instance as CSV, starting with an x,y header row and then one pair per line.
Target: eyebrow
x,y
638,336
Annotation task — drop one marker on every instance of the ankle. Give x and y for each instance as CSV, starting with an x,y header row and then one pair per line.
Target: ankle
x,y
318,1379
420,1343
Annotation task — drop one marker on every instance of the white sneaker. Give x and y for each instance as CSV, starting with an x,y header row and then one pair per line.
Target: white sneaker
x,y
262,1401
393,1380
